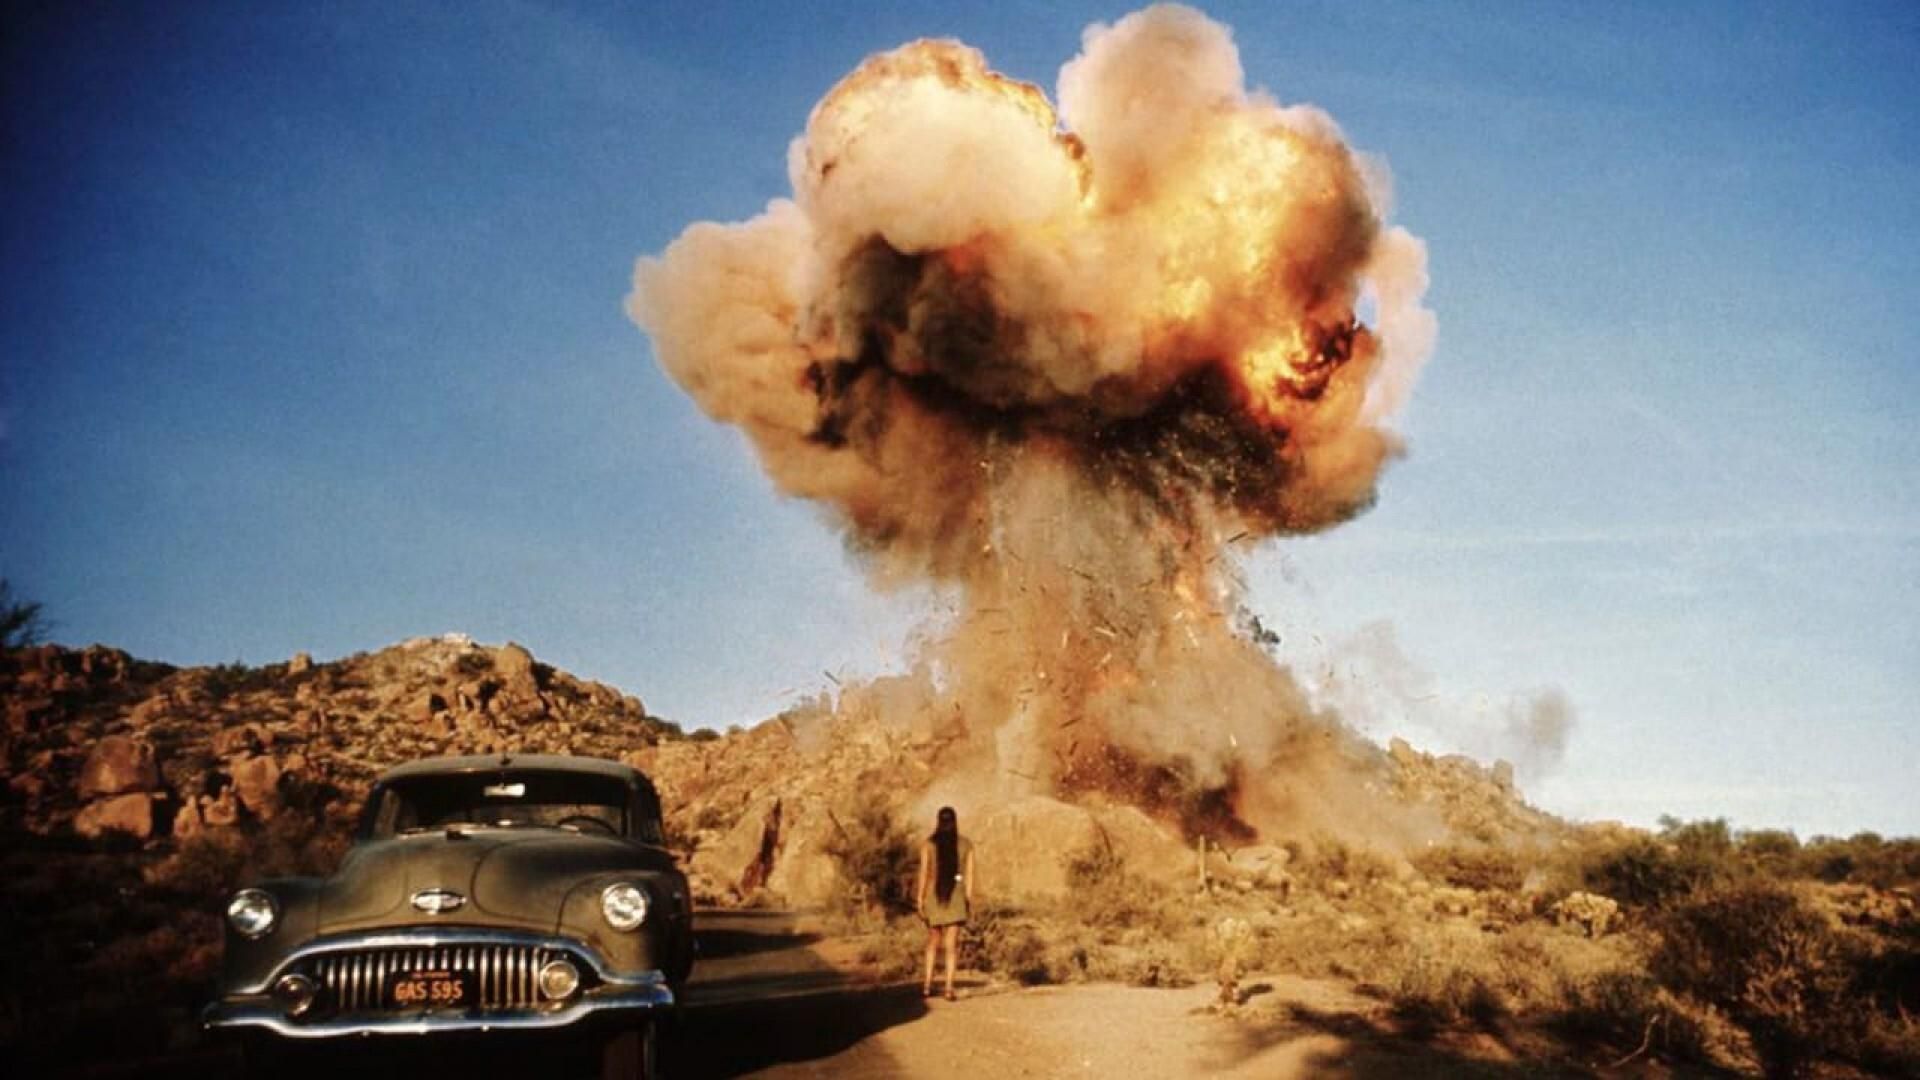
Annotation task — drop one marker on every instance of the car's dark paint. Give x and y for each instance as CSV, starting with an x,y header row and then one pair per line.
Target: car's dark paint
x,y
537,881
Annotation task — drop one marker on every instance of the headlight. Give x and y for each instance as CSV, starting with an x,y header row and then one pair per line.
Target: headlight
x,y
558,980
252,912
624,905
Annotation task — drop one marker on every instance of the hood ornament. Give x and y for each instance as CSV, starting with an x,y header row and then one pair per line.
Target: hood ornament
x,y
438,901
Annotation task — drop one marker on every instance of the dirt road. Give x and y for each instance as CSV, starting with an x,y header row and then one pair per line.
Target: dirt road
x,y
773,1001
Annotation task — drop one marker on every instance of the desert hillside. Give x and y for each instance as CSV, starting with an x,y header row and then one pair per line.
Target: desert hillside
x,y
98,742
138,794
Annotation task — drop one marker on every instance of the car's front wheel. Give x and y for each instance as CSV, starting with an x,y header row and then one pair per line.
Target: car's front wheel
x,y
632,1054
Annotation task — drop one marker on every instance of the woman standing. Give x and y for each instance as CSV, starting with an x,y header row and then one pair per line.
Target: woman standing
x,y
946,864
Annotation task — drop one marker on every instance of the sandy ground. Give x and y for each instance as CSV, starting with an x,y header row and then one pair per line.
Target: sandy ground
x,y
776,997
783,1002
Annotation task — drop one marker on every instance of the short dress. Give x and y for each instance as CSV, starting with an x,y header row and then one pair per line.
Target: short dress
x,y
954,911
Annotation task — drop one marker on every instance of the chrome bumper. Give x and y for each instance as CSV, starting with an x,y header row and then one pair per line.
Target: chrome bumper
x,y
617,993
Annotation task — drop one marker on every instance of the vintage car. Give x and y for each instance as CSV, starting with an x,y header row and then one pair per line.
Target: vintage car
x,y
482,894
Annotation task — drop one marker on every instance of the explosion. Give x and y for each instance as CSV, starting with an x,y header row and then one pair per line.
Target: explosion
x,y
1059,362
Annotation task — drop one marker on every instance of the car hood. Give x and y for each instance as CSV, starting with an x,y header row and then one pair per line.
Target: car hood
x,y
508,877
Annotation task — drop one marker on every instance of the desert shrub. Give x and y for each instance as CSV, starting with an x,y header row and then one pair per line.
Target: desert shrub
x,y
1326,860
1002,941
205,868
1486,869
1775,965
1644,872
1431,992
1775,852
876,857
296,845
1607,1006
1632,1013
894,950
20,621
1158,963
1864,858
1109,898
226,680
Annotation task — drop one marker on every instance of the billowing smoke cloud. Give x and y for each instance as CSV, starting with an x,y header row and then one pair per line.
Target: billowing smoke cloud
x,y
1058,361
1370,676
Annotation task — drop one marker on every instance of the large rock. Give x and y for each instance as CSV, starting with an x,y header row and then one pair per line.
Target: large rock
x,y
256,780
188,821
218,812
131,814
514,664
118,764
1021,848
241,740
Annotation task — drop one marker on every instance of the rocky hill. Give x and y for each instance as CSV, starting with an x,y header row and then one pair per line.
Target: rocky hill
x,y
136,795
96,741
761,813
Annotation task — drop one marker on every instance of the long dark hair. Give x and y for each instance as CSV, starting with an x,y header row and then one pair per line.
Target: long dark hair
x,y
946,853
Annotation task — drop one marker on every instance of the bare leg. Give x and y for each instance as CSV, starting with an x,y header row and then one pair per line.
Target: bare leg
x,y
926,974
952,935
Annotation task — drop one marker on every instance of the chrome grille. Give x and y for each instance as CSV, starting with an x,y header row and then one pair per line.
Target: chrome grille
x,y
504,974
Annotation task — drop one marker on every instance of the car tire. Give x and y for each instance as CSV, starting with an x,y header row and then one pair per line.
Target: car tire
x,y
632,1054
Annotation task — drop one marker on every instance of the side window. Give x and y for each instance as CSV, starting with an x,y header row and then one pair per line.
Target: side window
x,y
647,816
378,818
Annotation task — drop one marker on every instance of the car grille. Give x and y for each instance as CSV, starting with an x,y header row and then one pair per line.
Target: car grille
x,y
504,974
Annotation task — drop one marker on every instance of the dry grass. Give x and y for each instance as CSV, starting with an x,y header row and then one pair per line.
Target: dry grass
x,y
1715,967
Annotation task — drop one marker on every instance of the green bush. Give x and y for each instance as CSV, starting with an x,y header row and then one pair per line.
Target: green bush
x,y
1647,873
1001,941
1109,898
1864,859
1776,966
1770,851
1485,869
1431,993
876,856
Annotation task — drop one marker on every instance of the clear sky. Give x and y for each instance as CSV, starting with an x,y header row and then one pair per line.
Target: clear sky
x,y
311,339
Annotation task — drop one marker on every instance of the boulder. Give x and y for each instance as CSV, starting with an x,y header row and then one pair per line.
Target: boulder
x,y
143,715
242,740
1022,847
118,764
131,814
1503,775
256,780
514,664
28,787
220,811
300,664
188,821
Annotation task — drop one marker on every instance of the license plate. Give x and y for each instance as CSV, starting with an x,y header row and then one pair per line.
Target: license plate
x,y
430,990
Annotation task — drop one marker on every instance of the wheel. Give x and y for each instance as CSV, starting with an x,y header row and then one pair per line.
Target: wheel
x,y
632,1054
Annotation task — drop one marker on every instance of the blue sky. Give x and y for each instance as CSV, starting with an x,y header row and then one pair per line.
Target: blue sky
x,y
311,339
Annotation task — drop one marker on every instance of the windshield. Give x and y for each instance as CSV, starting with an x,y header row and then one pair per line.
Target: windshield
x,y
511,799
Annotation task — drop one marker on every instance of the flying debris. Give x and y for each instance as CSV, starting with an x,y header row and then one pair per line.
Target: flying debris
x,y
1060,358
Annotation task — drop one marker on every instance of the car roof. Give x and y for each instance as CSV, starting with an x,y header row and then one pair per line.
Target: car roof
x,y
473,764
